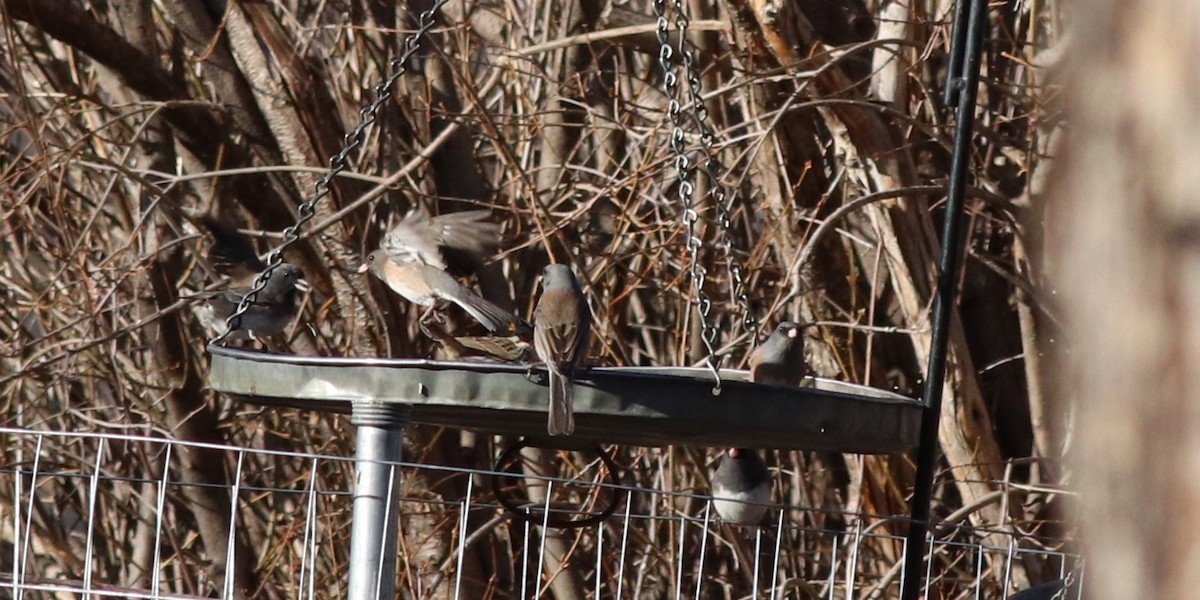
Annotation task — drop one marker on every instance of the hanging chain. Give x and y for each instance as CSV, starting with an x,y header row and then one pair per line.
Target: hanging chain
x,y
713,169
685,172
340,162
1068,583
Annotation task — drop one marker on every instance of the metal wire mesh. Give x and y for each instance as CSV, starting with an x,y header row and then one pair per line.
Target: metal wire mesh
x,y
111,515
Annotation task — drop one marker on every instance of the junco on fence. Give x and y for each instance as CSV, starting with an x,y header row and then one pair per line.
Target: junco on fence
x,y
741,487
454,242
426,285
561,336
780,359
270,310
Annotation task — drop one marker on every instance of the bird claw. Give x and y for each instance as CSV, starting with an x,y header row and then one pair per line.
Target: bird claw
x,y
424,325
531,375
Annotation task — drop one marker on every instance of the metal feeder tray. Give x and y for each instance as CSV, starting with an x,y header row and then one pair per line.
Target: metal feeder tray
x,y
642,406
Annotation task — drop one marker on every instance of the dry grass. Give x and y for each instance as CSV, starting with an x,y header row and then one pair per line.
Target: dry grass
x,y
109,150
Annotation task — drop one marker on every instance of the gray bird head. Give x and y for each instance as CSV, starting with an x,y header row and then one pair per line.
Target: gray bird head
x,y
285,279
786,343
374,262
785,334
741,469
559,276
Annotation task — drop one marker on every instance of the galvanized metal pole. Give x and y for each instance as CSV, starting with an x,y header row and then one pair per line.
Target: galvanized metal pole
x,y
962,83
380,430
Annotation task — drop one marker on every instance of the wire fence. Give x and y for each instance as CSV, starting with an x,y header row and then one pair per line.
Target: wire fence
x,y
113,515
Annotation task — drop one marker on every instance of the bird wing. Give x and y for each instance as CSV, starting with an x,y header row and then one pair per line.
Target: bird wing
x,y
231,253
560,328
469,231
459,240
414,239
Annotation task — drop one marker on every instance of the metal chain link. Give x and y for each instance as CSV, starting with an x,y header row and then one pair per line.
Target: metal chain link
x,y
1068,582
340,162
685,172
713,169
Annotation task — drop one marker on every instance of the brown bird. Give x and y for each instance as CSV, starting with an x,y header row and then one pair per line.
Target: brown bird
x,y
780,359
561,336
506,349
428,286
270,311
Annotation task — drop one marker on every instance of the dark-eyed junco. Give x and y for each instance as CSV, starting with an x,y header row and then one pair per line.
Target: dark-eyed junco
x,y
270,310
561,336
454,242
426,285
741,487
780,359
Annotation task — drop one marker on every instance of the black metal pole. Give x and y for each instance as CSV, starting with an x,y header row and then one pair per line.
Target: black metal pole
x,y
963,94
958,47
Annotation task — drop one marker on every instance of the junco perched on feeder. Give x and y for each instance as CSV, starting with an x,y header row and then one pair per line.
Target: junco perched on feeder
x,y
741,487
269,312
780,359
561,336
454,242
426,285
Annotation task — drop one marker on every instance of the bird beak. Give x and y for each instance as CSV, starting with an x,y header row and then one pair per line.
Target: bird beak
x,y
303,286
793,332
364,268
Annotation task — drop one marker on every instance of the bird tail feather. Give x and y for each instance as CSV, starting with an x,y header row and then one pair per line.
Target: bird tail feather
x,y
561,419
494,318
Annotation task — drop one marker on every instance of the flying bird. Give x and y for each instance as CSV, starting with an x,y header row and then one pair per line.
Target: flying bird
x,y
454,242
417,257
429,286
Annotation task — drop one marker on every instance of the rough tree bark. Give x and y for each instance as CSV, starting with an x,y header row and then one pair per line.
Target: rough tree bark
x,y
1124,239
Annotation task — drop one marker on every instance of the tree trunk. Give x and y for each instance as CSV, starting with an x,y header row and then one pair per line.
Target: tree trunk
x,y
1123,217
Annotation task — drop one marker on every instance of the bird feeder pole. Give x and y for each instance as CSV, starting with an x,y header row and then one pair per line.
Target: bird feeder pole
x,y
970,21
